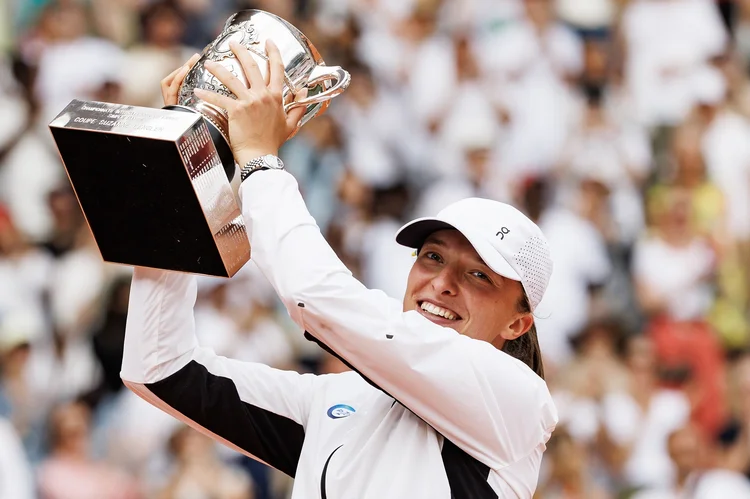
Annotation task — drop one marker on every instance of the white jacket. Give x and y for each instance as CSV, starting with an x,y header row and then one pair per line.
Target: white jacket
x,y
432,414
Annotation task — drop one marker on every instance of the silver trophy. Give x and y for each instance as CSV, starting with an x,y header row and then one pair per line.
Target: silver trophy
x,y
154,184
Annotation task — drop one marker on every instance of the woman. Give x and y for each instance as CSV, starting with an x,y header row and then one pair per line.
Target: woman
x,y
435,408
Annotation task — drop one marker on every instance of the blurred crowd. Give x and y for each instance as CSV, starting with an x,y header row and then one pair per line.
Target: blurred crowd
x,y
622,127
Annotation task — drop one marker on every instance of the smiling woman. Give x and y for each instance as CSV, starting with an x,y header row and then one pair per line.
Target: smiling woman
x,y
453,286
446,398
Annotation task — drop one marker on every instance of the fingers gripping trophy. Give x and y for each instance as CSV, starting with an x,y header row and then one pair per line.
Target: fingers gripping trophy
x,y
154,184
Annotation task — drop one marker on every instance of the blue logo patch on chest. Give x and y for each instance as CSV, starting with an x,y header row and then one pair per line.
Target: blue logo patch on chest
x,y
339,411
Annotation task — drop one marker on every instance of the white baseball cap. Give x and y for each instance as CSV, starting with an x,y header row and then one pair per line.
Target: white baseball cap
x,y
507,240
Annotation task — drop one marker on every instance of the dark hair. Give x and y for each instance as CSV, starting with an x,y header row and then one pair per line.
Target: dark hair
x,y
156,9
526,347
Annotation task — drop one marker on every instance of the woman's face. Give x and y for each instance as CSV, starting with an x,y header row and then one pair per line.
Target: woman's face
x,y
679,211
640,354
71,425
450,285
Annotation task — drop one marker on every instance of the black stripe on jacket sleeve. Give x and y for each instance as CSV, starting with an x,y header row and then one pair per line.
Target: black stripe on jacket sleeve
x,y
466,475
214,403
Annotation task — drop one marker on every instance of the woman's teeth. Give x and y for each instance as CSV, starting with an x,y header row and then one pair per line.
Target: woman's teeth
x,y
435,310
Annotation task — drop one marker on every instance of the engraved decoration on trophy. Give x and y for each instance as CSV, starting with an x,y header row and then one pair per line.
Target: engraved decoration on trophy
x,y
154,184
303,68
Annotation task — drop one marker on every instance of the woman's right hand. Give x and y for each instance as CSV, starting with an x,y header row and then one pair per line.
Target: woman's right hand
x,y
170,86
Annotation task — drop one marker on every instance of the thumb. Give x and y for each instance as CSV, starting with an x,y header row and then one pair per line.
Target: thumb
x,y
296,114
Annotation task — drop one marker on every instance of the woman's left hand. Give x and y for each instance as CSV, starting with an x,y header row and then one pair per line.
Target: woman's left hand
x,y
170,86
258,124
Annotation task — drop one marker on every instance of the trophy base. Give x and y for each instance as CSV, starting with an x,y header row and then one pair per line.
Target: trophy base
x,y
152,188
222,147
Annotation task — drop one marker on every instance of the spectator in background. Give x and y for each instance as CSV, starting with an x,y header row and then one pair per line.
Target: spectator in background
x,y
386,264
674,274
468,124
569,477
21,403
377,132
377,211
705,470
72,64
162,26
724,146
637,421
673,265
29,168
13,464
615,153
669,44
198,471
708,212
464,160
709,217
318,161
107,338
724,473
23,273
60,290
528,81
582,262
596,371
686,449
591,18
240,328
70,472
77,277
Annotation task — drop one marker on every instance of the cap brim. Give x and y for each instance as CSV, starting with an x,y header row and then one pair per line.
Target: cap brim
x,y
414,234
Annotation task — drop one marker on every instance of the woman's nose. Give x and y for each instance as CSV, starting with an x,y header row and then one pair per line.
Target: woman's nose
x,y
445,282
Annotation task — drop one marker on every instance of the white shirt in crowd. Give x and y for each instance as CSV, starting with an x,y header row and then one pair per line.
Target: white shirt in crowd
x,y
669,42
31,168
646,432
525,78
16,477
591,14
720,484
74,70
726,149
613,154
676,275
385,263
710,484
581,259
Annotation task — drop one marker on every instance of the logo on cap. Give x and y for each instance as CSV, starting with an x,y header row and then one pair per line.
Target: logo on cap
x,y
502,232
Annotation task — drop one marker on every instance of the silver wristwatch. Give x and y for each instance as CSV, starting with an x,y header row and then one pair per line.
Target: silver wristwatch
x,y
267,162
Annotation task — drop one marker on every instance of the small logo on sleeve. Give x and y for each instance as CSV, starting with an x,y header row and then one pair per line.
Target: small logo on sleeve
x,y
339,411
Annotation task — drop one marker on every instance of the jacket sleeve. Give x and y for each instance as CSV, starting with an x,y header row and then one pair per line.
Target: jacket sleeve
x,y
250,407
486,402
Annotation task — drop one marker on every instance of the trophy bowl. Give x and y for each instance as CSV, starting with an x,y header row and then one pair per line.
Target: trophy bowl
x,y
303,68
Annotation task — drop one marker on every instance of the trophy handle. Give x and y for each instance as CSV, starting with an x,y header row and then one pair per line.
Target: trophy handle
x,y
319,75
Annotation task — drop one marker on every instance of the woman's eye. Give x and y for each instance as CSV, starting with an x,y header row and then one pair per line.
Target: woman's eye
x,y
431,255
481,275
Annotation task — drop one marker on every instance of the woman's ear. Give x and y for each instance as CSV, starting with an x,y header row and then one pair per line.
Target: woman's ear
x,y
518,327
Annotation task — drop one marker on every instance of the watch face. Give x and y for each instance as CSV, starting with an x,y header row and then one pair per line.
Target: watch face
x,y
272,161
267,162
